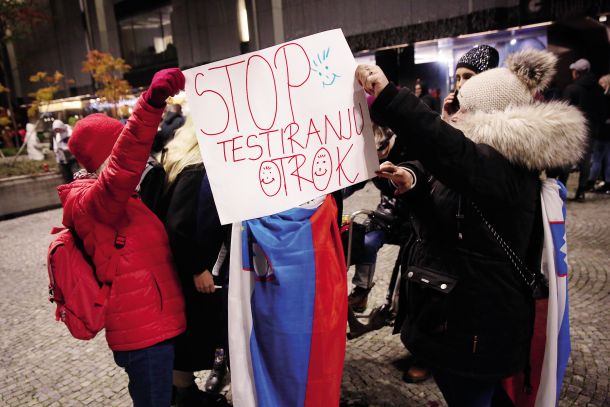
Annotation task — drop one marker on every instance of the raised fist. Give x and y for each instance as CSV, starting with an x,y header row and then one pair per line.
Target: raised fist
x,y
165,83
371,78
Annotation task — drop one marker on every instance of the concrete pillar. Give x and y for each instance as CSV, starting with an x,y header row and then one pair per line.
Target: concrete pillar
x,y
277,13
103,26
204,31
270,22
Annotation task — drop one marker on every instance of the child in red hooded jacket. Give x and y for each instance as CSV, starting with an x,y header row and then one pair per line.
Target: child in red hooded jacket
x,y
144,307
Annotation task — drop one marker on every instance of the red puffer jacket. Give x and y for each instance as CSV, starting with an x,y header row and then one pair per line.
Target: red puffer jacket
x,y
145,305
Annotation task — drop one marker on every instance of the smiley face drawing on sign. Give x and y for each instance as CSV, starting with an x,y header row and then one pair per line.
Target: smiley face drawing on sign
x,y
323,70
321,169
270,178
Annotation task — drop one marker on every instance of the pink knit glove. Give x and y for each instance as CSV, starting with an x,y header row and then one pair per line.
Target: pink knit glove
x,y
165,83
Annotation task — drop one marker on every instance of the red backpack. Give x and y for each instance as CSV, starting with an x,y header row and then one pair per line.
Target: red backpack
x,y
73,286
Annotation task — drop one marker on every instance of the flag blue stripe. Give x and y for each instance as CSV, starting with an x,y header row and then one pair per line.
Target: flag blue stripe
x,y
563,346
558,232
282,308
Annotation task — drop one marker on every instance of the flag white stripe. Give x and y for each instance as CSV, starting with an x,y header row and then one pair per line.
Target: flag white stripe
x,y
241,285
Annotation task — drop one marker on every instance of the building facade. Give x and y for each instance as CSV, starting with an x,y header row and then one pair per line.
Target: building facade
x,y
155,34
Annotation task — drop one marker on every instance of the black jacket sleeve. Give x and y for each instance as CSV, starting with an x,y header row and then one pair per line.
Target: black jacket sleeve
x,y
180,223
477,170
421,181
210,234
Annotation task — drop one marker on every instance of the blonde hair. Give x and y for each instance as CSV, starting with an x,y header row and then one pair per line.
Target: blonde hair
x,y
182,151
604,81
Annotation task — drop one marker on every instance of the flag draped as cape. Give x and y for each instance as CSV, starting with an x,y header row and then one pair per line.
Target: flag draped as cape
x,y
287,309
550,346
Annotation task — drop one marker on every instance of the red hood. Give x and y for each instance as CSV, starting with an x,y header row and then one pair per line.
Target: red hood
x,y
68,193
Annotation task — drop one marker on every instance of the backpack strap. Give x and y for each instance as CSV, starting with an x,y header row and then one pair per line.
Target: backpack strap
x,y
119,243
150,164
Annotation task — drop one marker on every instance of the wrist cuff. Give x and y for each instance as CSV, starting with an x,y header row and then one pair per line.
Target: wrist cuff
x,y
412,174
410,171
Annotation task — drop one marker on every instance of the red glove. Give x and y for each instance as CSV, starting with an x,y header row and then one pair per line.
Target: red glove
x,y
165,83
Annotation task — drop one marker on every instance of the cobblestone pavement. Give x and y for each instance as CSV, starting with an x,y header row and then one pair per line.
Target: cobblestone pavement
x,y
41,365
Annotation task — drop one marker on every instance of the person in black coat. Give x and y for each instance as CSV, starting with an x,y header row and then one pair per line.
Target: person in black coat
x,y
600,161
587,95
385,226
195,237
421,90
464,309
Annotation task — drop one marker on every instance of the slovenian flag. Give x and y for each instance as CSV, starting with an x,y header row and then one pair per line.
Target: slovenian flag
x,y
555,267
287,309
550,346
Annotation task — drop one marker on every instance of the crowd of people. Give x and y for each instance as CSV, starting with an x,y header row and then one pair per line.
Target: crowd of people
x,y
448,181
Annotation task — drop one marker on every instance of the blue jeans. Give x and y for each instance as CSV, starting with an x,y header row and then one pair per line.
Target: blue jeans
x,y
601,154
461,391
150,374
373,241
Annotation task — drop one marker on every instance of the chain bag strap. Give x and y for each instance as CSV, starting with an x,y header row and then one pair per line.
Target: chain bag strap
x,y
535,282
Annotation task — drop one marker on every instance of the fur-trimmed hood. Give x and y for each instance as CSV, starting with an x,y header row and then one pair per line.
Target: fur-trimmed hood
x,y
538,136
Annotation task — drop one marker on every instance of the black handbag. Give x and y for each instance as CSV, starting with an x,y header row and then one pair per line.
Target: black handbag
x,y
435,280
428,299
536,283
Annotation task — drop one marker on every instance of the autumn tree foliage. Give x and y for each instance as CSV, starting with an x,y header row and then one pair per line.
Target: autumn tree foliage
x,y
18,17
107,72
50,85
4,119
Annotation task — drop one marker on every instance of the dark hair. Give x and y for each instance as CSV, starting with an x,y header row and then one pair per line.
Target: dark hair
x,y
424,87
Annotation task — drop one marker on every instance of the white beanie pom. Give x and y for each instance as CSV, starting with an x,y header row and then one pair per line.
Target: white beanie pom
x,y
534,68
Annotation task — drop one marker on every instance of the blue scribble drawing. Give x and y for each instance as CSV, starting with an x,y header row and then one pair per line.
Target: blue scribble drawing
x,y
320,66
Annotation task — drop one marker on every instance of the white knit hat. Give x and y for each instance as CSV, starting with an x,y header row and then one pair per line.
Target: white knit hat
x,y
58,124
494,90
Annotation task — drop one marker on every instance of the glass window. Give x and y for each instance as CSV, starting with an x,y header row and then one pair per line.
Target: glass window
x,y
146,38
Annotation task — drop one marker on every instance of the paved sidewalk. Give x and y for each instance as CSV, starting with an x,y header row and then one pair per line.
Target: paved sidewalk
x,y
41,365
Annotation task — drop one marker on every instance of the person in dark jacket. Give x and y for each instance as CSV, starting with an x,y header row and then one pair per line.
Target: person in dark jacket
x,y
472,63
465,310
172,121
66,161
600,160
383,227
421,91
586,94
195,237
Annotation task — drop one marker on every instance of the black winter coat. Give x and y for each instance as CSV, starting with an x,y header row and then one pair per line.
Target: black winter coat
x,y
604,133
195,237
586,94
482,327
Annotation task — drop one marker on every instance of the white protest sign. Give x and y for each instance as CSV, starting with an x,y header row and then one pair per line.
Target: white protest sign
x,y
281,126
